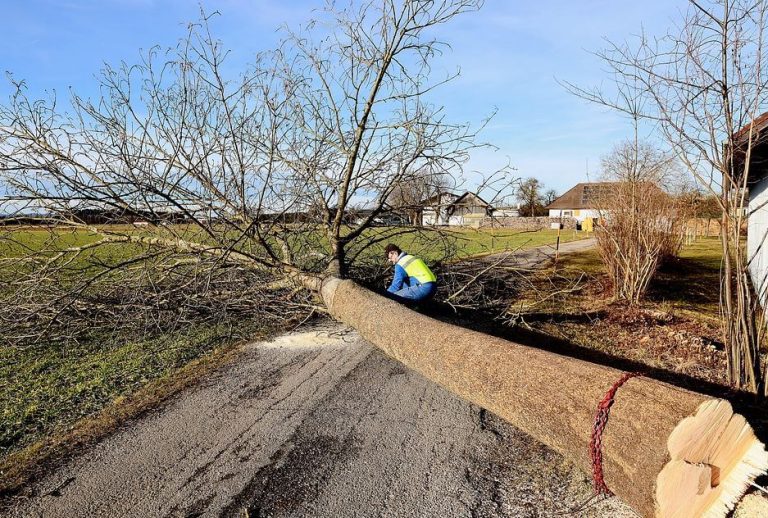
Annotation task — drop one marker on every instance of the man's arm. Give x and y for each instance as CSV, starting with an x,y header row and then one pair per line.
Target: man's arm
x,y
398,279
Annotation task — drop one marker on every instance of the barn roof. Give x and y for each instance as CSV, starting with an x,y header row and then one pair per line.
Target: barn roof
x,y
437,199
758,130
467,197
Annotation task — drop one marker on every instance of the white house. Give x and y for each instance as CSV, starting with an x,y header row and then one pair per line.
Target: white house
x,y
581,201
435,210
447,208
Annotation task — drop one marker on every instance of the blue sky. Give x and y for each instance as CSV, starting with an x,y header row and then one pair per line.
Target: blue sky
x,y
509,54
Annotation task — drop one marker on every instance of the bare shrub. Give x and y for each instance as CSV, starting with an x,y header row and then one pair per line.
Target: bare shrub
x,y
641,223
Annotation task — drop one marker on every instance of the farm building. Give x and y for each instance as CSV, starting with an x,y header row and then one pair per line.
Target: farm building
x,y
435,210
447,208
581,201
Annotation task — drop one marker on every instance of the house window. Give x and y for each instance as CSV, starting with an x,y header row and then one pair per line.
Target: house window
x,y
567,213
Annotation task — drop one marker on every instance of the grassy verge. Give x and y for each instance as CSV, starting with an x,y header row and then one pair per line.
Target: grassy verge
x,y
47,388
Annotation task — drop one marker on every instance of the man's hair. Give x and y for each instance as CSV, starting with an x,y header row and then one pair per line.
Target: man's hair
x,y
392,248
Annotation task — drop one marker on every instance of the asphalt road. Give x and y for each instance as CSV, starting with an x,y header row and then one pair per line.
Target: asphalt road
x,y
315,424
539,256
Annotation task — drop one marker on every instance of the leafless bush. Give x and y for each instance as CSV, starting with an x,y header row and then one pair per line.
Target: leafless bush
x,y
488,285
641,224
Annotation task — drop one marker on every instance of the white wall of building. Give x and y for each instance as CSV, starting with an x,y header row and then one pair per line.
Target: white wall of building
x,y
506,213
578,214
757,236
430,216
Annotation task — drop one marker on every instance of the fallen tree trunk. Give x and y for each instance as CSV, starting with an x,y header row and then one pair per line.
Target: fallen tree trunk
x,y
665,450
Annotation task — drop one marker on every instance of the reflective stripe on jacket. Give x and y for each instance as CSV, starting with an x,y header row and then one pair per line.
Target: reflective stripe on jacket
x,y
416,268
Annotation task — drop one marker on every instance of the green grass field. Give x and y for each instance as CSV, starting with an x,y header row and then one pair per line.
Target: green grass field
x,y
434,244
479,242
689,282
458,244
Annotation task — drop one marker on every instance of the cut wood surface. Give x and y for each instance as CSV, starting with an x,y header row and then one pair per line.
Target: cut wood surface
x,y
710,458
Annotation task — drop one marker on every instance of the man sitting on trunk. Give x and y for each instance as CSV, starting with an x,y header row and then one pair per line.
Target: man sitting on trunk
x,y
413,280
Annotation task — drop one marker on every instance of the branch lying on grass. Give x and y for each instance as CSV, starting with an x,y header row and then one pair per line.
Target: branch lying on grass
x,y
76,295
